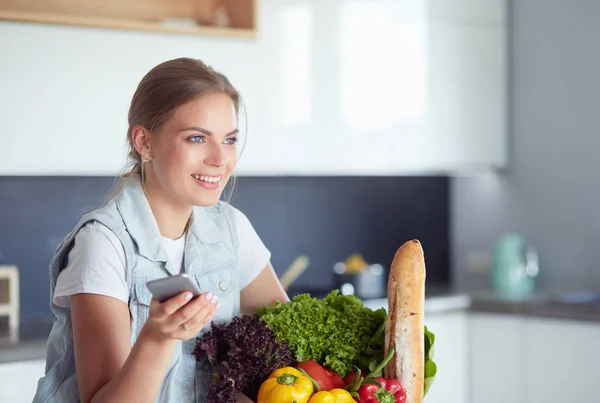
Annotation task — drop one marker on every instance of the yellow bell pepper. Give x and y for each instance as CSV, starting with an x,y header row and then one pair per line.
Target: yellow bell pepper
x,y
336,395
285,385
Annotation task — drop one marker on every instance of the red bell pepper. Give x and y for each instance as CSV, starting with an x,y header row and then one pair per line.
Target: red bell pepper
x,y
390,391
375,389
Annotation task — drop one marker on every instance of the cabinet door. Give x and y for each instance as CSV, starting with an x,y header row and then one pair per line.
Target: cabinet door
x,y
466,99
381,98
419,86
497,358
562,361
451,356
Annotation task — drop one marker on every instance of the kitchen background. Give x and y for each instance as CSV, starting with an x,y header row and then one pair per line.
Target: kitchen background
x,y
485,124
325,218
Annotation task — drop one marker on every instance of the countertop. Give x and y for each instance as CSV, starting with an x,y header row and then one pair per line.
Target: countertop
x,y
558,304
550,304
437,300
567,305
31,344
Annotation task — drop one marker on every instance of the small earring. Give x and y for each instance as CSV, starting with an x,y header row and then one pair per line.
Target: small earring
x,y
145,159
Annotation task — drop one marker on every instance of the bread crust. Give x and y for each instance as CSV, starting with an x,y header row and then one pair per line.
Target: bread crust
x,y
405,327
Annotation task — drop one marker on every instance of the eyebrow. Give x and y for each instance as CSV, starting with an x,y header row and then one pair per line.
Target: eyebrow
x,y
208,132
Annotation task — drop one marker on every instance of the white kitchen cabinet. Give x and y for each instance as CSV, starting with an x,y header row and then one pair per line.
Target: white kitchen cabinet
x,y
522,359
422,87
561,362
451,356
384,87
18,380
496,358
336,87
466,124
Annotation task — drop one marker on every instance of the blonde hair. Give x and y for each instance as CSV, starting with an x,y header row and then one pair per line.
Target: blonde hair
x,y
162,90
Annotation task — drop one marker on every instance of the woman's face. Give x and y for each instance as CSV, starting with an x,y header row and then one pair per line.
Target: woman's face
x,y
194,153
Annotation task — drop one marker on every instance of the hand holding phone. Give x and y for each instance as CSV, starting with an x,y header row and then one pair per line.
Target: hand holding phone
x,y
179,310
166,288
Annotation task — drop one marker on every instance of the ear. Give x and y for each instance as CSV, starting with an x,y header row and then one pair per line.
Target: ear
x,y
140,137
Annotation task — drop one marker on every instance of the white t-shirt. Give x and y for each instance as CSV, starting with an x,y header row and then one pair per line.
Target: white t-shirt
x,y
97,261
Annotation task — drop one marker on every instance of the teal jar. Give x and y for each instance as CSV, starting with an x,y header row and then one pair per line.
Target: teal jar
x,y
514,267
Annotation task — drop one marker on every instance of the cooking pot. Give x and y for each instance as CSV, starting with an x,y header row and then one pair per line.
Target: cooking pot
x,y
368,283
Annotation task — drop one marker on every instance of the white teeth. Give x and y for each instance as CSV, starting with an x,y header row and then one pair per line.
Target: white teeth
x,y
210,179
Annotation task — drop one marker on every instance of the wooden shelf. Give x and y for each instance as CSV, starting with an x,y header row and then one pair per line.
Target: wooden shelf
x,y
9,299
197,17
5,309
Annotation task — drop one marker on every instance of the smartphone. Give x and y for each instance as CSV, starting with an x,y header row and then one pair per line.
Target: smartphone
x,y
163,289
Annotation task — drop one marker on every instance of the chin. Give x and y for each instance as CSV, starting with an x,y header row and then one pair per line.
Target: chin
x,y
205,200
205,197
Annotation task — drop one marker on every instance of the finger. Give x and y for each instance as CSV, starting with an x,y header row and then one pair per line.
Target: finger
x,y
189,311
202,318
172,305
190,329
186,312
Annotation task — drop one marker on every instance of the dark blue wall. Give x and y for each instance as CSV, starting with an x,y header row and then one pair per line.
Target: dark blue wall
x,y
322,217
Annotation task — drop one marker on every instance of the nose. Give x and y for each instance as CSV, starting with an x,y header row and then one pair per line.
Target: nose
x,y
216,156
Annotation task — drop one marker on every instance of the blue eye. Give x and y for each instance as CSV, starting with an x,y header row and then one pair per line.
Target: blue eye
x,y
196,139
231,140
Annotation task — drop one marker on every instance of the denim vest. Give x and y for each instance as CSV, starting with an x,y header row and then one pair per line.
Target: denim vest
x,y
210,258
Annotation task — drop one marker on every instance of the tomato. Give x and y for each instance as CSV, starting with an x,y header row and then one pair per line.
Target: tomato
x,y
326,378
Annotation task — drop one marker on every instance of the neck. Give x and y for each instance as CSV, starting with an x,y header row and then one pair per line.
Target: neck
x,y
172,217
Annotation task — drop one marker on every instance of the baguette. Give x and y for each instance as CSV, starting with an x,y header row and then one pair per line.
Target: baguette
x,y
405,326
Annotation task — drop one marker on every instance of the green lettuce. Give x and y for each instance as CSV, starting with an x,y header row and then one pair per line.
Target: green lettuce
x,y
333,331
430,366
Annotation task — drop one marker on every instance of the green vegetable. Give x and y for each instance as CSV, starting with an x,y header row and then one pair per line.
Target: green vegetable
x,y
373,353
430,366
333,331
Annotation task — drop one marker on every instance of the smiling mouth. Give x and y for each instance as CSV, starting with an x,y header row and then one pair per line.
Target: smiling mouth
x,y
207,179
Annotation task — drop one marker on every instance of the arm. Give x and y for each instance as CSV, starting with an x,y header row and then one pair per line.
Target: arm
x,y
108,370
265,289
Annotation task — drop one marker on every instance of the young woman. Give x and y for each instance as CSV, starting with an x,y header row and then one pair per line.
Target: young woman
x,y
111,342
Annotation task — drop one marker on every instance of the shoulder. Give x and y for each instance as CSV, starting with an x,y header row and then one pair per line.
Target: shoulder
x,y
95,264
103,224
247,234
242,222
96,230
95,240
238,215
